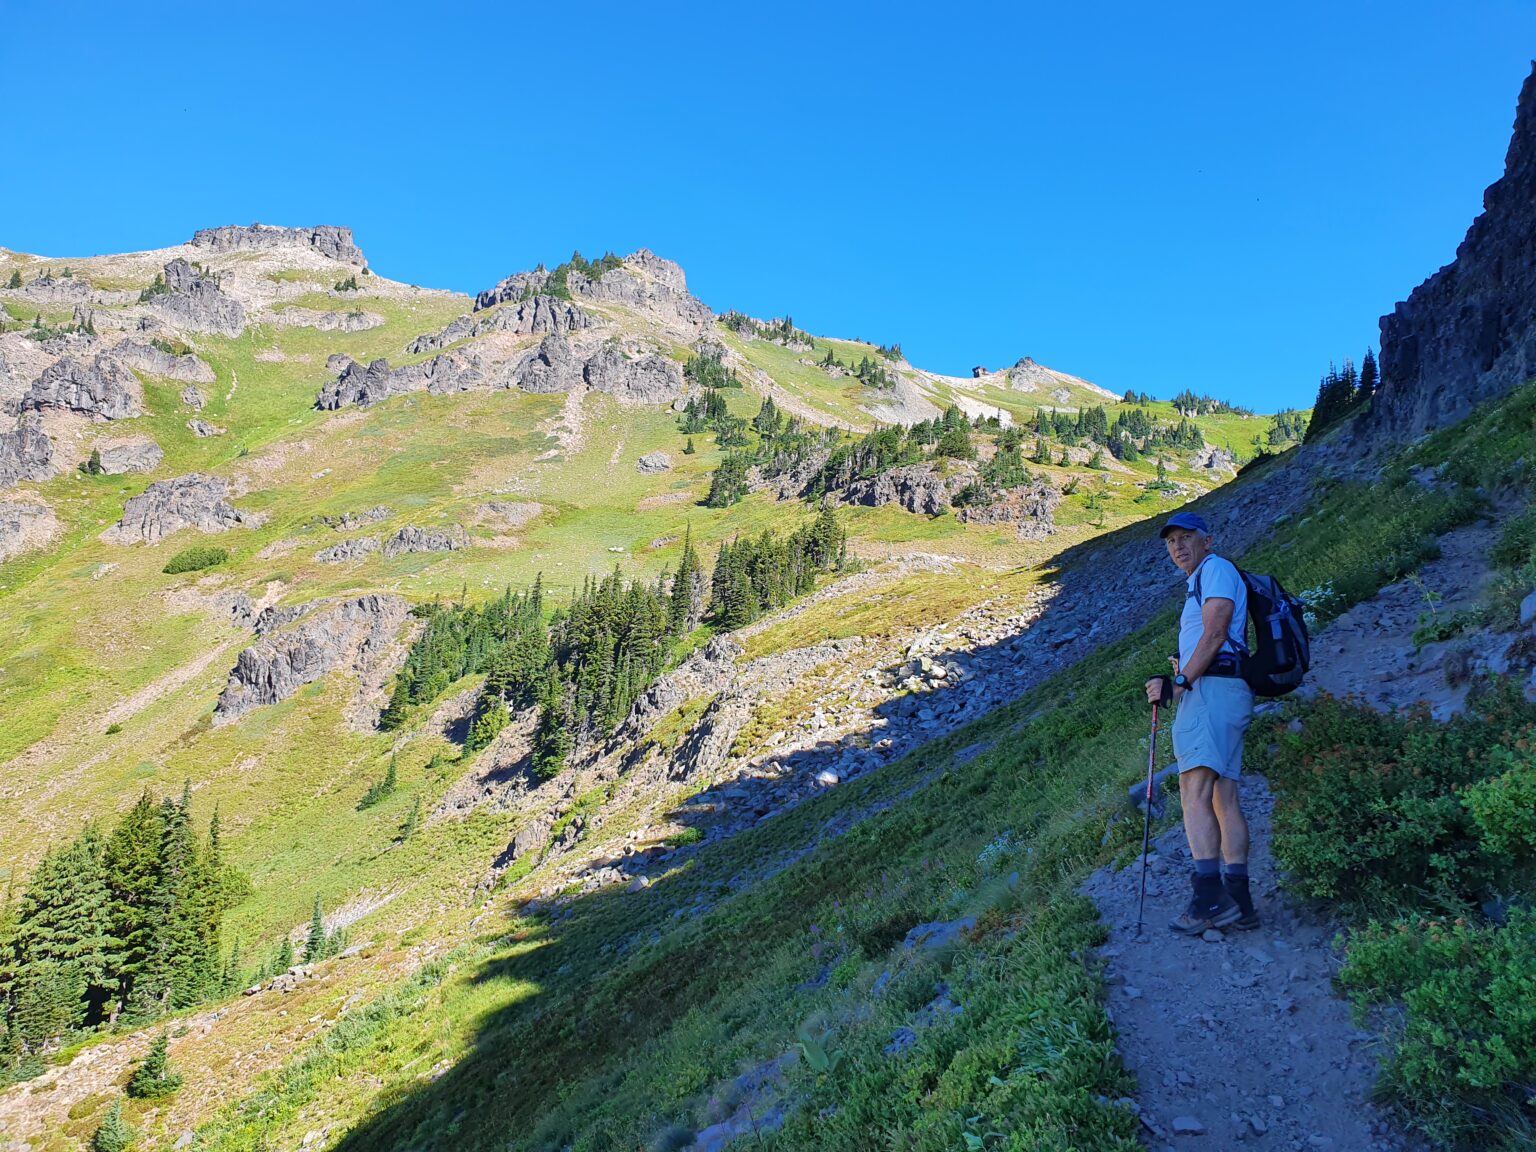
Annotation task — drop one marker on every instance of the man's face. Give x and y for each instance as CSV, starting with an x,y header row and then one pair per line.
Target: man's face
x,y
1187,548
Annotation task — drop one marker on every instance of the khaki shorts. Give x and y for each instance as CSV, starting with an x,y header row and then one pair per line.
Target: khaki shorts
x,y
1209,724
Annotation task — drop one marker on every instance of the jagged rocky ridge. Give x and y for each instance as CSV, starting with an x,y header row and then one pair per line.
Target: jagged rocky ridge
x,y
645,282
294,652
195,302
1468,333
26,453
328,240
535,315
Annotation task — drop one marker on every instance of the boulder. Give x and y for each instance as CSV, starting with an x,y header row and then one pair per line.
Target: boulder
x,y
187,368
203,428
350,520
348,550
1213,459
192,396
413,539
167,506
350,634
26,453
1468,333
514,287
122,456
354,320
916,487
329,240
102,389
1031,508
24,527
654,462
51,289
551,367
647,379
195,302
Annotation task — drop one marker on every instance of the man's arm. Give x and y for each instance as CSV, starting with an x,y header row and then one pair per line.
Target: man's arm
x,y
1216,616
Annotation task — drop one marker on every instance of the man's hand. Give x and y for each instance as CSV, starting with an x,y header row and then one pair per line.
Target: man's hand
x,y
1156,688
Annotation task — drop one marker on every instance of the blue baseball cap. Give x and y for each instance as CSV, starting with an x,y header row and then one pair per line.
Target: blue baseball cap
x,y
1191,520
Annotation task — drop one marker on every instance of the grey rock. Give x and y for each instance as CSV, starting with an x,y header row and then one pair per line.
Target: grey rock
x,y
350,520
1468,333
347,634
195,302
56,289
329,240
167,506
916,487
103,389
937,934
26,453
551,367
647,379
188,368
352,320
279,616
1031,508
203,428
366,386
645,283
537,314
654,462
192,396
348,550
24,526
413,539
129,456
1186,1126
1528,610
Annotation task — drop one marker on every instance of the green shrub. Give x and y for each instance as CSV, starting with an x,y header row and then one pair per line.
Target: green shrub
x,y
154,1078
115,1134
195,559
1370,809
1503,807
1466,1046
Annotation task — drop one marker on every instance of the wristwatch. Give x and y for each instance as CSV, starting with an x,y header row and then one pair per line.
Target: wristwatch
x,y
1181,681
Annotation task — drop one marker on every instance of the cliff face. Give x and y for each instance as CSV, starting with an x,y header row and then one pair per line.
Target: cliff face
x,y
1468,333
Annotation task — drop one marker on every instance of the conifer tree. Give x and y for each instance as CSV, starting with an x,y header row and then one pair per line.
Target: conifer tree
x,y
1368,381
688,448
412,820
154,1078
284,955
115,1134
315,942
15,280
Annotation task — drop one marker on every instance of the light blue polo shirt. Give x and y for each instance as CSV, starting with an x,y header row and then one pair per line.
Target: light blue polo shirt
x,y
1218,577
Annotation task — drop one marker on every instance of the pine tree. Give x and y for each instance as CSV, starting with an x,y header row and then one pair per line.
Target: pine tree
x,y
315,942
1368,381
687,596
15,280
131,862
154,1078
688,448
412,820
115,1134
284,955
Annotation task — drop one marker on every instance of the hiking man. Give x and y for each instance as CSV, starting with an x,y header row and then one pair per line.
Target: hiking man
x,y
1215,706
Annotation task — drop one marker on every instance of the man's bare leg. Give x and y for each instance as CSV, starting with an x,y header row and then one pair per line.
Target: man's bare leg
x,y
1197,789
1233,835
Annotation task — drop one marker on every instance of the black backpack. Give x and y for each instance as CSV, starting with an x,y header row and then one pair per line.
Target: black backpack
x,y
1282,650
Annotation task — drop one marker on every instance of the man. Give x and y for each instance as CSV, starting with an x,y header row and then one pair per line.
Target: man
x,y
1215,706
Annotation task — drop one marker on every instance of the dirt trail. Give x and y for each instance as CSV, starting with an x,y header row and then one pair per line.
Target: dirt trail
x,y
1239,1040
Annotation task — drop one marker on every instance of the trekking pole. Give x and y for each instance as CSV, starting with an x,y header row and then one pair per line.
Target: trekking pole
x,y
1146,826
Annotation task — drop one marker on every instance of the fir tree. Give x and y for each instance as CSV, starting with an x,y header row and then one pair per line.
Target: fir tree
x,y
154,1078
15,280
412,820
115,1134
1368,378
315,942
688,448
284,959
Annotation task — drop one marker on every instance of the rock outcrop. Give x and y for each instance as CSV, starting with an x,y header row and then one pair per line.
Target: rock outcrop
x,y
347,635
166,506
24,527
348,550
1213,459
202,428
1468,333
353,320
51,289
653,462
102,388
378,381
644,283
551,367
329,240
122,456
26,453
350,520
1030,508
535,315
192,396
195,302
413,539
188,368
916,487
645,379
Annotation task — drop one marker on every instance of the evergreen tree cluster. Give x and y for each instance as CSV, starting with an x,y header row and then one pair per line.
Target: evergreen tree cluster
x,y
126,923
157,287
1188,404
1341,392
558,284
871,373
1287,426
754,575
15,280
778,331
708,370
889,351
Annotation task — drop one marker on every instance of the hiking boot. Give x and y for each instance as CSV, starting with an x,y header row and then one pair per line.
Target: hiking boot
x,y
1199,917
1237,888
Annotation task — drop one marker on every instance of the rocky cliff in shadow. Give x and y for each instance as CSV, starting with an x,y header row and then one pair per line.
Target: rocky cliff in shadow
x,y
1468,333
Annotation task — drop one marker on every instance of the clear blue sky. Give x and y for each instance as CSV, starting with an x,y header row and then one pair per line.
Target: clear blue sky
x,y
1153,196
